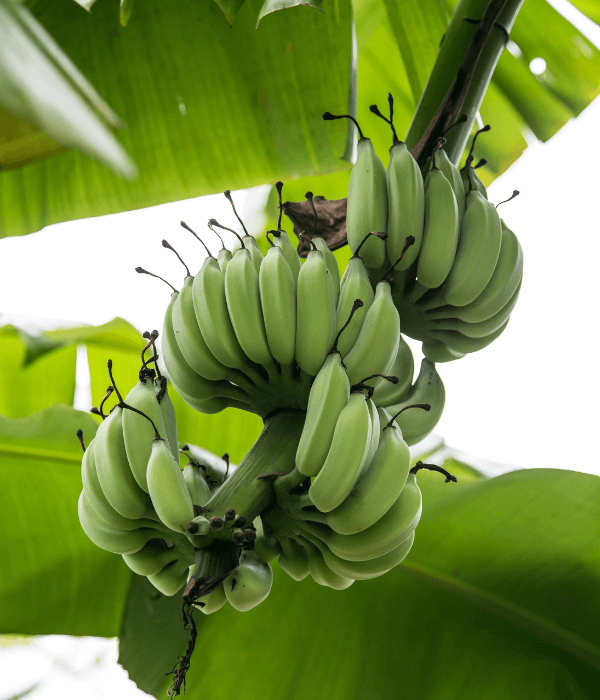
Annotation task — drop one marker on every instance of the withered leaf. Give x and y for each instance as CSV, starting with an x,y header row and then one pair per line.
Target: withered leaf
x,y
331,221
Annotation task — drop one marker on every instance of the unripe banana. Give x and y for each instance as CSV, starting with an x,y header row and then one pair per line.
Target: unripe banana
x,y
437,351
387,393
441,228
453,176
375,432
252,246
406,205
243,302
376,347
315,314
108,537
367,204
167,488
278,301
328,396
215,466
282,240
214,601
210,406
196,484
114,473
319,570
477,253
379,487
250,583
266,546
385,535
223,258
172,578
152,558
355,285
468,173
332,265
169,416
138,431
460,343
346,457
416,423
293,559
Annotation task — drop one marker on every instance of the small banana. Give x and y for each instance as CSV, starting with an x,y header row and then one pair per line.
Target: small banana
x,y
453,176
215,466
293,559
250,583
319,569
152,558
252,246
385,535
331,263
346,457
328,396
437,351
471,180
167,488
214,601
416,423
172,578
355,285
265,545
388,393
462,344
379,487
161,386
282,240
375,433
315,314
278,302
196,484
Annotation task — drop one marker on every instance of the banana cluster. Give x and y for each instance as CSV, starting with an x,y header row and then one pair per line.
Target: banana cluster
x,y
457,285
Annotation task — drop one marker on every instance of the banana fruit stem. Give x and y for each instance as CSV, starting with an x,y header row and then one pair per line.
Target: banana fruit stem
x,y
273,452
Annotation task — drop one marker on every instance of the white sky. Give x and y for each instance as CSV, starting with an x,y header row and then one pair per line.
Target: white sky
x,y
530,399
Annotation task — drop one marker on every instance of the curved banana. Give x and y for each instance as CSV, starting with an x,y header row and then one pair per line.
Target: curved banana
x,y
242,292
250,583
196,484
215,466
367,204
437,351
387,393
477,253
138,432
379,487
108,537
210,406
114,473
453,176
406,205
252,246
319,569
278,301
315,314
471,181
169,416
328,396
223,258
265,545
167,488
416,423
460,343
282,240
214,601
171,578
346,457
355,284
293,559
385,535
377,344
375,433
152,558
364,570
440,233
332,264
502,285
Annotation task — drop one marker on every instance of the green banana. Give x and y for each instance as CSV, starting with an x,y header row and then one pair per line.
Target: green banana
x,y
167,488
437,351
502,285
138,431
355,285
182,375
477,253
460,343
196,484
214,601
406,205
377,344
293,559
265,545
440,232
416,423
171,578
242,292
332,264
453,176
223,258
328,396
250,583
364,570
375,433
209,406
278,301
379,487
387,393
252,246
282,240
169,416
346,457
367,204
114,473
471,180
152,558
215,466
385,535
108,537
315,314
319,570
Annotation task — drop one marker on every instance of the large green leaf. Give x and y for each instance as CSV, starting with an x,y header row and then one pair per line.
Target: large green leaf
x,y
208,107
54,580
496,599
